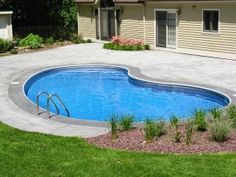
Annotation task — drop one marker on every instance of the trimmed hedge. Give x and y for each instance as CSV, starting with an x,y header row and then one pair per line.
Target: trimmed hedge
x,y
113,46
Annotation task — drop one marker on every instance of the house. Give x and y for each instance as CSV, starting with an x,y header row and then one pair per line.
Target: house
x,y
6,25
198,25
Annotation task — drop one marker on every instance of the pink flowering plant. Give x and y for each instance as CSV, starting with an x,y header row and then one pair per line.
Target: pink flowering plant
x,y
118,43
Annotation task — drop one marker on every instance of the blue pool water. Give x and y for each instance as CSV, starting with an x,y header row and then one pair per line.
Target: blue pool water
x,y
95,93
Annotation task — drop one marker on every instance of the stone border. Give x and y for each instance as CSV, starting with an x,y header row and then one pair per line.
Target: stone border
x,y
17,95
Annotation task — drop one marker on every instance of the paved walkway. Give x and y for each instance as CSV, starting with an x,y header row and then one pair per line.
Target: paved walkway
x,y
160,65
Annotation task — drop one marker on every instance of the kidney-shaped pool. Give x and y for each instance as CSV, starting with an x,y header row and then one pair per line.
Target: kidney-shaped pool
x,y
95,93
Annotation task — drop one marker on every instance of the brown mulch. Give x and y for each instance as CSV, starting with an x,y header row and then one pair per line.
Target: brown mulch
x,y
43,48
134,141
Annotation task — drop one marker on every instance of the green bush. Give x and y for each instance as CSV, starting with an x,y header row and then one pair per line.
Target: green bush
x,y
220,130
114,126
32,41
147,47
77,39
174,121
113,46
126,122
50,41
140,47
189,131
150,130
231,114
5,45
200,120
89,41
160,128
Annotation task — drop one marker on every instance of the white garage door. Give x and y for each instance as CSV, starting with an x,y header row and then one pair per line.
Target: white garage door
x,y
3,29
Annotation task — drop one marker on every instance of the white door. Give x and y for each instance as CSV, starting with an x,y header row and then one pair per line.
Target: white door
x,y
3,28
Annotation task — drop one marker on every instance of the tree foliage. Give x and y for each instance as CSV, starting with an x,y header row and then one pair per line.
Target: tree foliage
x,y
42,13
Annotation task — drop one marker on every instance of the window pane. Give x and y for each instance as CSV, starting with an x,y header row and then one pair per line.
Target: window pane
x,y
207,20
215,20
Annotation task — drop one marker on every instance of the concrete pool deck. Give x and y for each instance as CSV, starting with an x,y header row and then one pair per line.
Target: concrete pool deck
x,y
156,65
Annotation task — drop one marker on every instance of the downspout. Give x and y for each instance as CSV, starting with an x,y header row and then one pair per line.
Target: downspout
x,y
99,19
115,22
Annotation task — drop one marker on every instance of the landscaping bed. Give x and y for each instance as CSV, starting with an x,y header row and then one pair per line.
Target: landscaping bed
x,y
134,140
34,42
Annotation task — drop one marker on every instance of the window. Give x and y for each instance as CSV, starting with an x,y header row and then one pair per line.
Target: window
x,y
210,20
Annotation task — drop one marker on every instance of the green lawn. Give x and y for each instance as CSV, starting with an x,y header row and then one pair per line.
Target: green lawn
x,y
33,155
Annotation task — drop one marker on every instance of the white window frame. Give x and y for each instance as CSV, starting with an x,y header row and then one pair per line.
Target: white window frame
x,y
155,23
211,32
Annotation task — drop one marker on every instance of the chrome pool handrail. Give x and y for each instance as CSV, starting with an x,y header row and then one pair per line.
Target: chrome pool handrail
x,y
50,98
37,101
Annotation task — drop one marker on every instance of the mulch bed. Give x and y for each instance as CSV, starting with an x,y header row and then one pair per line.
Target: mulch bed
x,y
43,48
134,141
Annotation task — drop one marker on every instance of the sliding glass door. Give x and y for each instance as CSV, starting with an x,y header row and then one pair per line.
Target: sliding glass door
x,y
166,28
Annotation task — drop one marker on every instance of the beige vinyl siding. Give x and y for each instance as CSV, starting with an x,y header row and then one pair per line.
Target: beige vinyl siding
x,y
132,25
190,34
86,22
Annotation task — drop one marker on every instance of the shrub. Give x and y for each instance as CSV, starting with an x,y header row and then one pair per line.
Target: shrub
x,y
147,47
114,126
160,128
14,51
32,41
50,41
189,131
77,39
5,45
231,114
150,130
216,113
89,41
126,122
220,130
174,122
200,120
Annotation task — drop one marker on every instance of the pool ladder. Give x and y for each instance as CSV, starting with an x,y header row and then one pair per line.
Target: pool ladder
x,y
50,99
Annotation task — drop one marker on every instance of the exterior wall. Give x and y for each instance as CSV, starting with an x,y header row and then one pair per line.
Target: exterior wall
x,y
8,30
190,35
86,21
132,25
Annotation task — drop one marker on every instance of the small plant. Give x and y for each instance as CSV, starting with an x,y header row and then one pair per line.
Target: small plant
x,y
89,41
147,47
126,122
160,128
50,41
174,122
150,130
32,41
14,51
5,45
189,131
114,126
220,130
216,113
77,39
231,114
200,120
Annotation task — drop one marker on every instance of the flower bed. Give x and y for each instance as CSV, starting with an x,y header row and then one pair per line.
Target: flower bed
x,y
118,43
208,131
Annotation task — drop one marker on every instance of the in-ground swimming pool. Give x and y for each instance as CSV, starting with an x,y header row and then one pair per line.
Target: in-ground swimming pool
x,y
95,93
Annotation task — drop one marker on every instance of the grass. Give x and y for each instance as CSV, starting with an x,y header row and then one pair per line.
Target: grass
x,y
32,154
